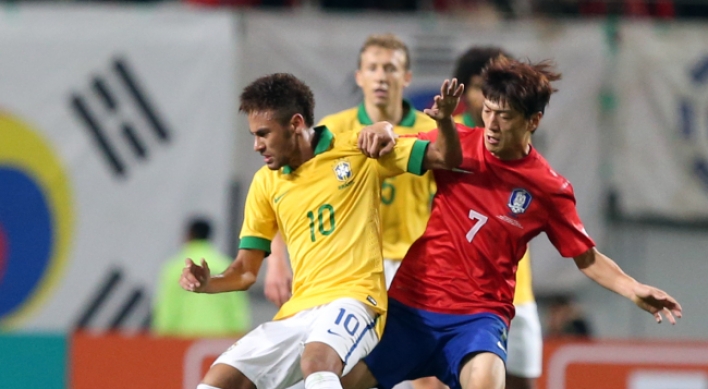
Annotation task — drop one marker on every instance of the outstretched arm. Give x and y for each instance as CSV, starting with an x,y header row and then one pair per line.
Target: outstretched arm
x,y
446,151
279,277
605,272
240,275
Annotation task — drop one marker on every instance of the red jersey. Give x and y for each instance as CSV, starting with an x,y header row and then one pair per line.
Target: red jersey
x,y
483,216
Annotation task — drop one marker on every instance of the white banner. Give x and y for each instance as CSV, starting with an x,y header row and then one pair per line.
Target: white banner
x,y
661,154
323,51
116,126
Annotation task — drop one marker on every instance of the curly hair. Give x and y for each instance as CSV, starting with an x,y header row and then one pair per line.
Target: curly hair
x,y
282,93
386,41
524,86
473,61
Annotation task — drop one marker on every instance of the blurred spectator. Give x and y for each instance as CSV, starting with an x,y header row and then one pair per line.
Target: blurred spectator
x,y
566,320
663,9
184,314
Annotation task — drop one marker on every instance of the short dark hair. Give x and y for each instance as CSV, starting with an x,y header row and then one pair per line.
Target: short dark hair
x,y
386,41
199,228
473,61
524,86
282,93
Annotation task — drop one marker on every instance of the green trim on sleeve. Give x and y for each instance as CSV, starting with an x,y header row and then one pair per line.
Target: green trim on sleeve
x,y
415,162
254,243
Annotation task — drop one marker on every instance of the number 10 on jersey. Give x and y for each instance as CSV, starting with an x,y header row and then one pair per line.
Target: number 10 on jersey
x,y
321,221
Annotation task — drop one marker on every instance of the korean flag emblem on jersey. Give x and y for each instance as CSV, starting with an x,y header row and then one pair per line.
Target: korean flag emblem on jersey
x,y
519,201
343,171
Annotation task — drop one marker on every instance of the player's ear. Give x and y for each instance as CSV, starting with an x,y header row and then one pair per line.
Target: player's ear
x,y
407,78
534,121
297,123
359,78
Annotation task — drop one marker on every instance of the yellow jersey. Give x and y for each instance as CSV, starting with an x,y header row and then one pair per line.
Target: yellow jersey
x,y
524,290
327,212
405,199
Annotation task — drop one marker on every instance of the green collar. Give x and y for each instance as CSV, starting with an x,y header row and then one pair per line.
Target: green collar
x,y
467,119
406,121
323,144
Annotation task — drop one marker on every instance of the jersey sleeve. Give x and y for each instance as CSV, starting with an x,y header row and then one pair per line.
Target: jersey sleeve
x,y
407,156
565,229
259,221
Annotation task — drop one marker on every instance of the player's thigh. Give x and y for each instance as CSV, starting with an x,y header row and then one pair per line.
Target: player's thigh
x,y
269,356
407,348
348,326
390,268
465,352
483,371
525,343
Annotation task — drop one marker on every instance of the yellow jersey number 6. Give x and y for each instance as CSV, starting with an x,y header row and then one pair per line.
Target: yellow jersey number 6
x,y
321,225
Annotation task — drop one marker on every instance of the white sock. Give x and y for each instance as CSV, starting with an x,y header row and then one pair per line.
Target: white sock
x,y
322,380
205,386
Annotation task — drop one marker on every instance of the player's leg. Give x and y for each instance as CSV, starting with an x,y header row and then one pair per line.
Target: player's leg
x,y
476,353
428,383
525,347
267,357
404,352
482,371
343,333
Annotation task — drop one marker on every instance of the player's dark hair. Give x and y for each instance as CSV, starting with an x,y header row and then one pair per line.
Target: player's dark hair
x,y
282,93
523,86
199,228
386,41
473,61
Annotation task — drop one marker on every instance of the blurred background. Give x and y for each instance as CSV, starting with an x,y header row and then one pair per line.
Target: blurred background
x,y
119,126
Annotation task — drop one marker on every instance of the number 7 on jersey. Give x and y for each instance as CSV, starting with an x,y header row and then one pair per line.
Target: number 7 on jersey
x,y
479,220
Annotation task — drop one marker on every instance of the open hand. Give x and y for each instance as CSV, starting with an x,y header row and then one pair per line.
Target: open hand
x,y
657,302
194,277
377,139
446,102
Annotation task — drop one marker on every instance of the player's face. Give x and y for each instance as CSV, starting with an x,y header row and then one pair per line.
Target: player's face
x,y
382,76
507,133
474,97
274,141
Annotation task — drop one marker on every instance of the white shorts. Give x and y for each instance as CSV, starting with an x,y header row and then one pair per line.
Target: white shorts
x,y
390,269
525,343
270,354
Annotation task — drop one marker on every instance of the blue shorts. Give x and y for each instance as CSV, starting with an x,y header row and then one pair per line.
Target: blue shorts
x,y
418,343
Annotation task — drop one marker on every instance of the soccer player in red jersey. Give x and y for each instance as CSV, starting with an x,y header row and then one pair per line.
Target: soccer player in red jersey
x,y
451,301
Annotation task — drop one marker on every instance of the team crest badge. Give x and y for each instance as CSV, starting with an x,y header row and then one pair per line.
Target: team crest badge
x,y
519,201
343,171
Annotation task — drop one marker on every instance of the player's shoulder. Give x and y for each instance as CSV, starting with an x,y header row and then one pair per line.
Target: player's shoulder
x,y
549,179
341,121
423,122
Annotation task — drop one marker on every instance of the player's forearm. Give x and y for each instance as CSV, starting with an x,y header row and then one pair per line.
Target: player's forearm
x,y
446,152
240,275
606,272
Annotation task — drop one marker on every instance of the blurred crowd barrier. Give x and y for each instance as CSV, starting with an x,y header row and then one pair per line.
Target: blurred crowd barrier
x,y
117,124
114,361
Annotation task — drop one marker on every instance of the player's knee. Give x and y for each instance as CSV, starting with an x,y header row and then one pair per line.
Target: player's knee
x,y
359,377
222,376
319,357
483,371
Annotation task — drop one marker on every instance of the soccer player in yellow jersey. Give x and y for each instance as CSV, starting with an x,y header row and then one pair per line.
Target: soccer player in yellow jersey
x,y
322,193
383,73
525,342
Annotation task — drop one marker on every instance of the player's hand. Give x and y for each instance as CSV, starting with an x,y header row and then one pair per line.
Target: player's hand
x,y
657,302
194,277
278,282
446,102
377,139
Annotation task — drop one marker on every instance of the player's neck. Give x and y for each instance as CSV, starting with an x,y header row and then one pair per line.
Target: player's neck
x,y
305,146
392,113
516,153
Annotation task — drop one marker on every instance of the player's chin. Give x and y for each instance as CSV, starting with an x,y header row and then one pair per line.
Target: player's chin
x,y
274,165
